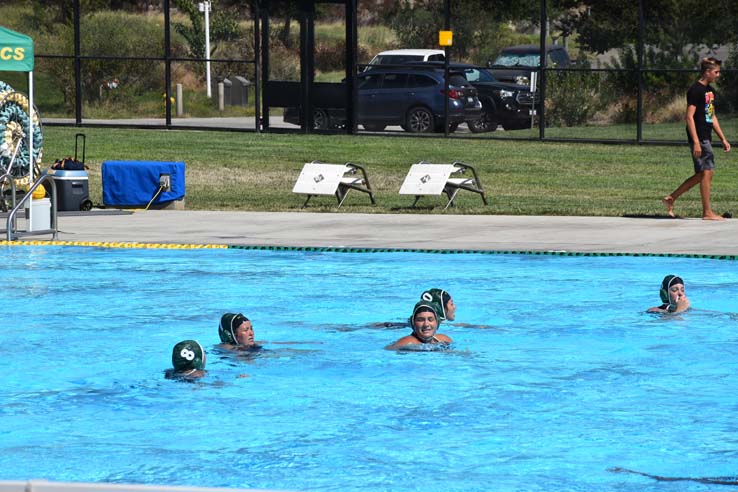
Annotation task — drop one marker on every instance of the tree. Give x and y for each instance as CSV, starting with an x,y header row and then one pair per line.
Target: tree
x,y
478,25
672,26
223,27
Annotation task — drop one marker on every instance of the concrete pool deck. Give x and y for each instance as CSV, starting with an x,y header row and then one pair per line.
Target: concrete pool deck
x,y
407,231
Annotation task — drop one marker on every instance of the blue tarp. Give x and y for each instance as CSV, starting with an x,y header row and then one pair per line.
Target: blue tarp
x,y
134,183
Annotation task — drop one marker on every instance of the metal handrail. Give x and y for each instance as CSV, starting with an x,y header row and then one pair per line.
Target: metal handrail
x,y
12,234
7,177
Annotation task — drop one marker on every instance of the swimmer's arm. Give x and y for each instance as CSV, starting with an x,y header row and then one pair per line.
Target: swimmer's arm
x,y
408,340
682,305
443,338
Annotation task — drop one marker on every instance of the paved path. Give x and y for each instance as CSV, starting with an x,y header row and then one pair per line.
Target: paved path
x,y
477,232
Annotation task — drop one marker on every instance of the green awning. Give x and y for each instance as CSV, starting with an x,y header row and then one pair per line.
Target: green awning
x,y
16,51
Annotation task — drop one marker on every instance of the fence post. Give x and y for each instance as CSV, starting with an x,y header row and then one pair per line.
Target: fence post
x,y
221,96
180,104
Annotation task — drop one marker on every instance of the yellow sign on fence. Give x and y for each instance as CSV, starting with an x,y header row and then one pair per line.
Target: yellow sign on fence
x,y
445,38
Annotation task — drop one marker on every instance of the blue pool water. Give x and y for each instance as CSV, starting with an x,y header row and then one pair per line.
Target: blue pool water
x,y
559,376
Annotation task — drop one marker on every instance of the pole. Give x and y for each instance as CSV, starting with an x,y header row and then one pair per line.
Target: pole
x,y
168,67
77,66
205,8
639,93
447,26
257,56
31,160
542,74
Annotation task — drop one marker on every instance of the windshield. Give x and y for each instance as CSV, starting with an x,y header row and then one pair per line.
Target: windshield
x,y
513,60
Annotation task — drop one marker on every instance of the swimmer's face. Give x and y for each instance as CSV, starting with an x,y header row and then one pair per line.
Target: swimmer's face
x,y
425,325
676,293
244,334
450,310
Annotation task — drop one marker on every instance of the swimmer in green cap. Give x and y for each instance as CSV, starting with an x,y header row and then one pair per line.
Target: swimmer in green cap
x,y
424,322
236,332
673,296
443,299
188,359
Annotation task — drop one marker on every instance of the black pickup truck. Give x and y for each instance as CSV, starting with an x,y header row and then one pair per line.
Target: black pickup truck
x,y
503,103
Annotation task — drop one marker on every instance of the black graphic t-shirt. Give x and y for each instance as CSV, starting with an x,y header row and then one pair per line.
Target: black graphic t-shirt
x,y
703,98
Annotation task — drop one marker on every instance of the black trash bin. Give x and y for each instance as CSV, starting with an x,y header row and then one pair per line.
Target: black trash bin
x,y
72,190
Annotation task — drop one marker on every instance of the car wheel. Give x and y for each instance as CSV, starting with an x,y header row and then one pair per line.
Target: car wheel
x,y
419,120
320,119
374,127
487,123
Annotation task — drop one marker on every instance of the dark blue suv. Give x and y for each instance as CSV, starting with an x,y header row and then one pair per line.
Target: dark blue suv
x,y
412,97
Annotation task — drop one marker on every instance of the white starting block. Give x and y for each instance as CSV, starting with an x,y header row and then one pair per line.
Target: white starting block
x,y
433,179
318,178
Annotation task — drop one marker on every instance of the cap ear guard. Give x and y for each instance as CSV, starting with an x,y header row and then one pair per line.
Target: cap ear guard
x,y
225,329
664,295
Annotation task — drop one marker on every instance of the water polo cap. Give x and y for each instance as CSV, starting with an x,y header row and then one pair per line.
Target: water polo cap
x,y
188,355
666,284
425,306
227,328
440,297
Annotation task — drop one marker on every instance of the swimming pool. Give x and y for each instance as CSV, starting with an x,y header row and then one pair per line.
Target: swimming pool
x,y
560,376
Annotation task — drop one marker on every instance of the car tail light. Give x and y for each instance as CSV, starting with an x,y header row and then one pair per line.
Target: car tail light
x,y
454,93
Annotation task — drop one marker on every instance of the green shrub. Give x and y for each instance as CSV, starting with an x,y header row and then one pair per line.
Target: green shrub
x,y
663,85
572,98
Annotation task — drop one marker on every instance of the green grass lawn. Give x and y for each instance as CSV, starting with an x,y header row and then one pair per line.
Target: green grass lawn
x,y
248,171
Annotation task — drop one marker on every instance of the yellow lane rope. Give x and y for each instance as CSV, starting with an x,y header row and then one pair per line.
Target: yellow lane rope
x,y
103,244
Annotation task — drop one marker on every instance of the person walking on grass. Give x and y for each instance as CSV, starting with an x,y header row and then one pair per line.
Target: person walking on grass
x,y
701,121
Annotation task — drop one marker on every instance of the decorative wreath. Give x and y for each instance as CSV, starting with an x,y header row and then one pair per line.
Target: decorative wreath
x,y
14,117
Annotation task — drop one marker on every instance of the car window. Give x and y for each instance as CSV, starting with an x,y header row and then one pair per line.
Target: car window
x,y
471,74
395,59
512,60
371,81
394,80
420,80
477,75
438,57
457,80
